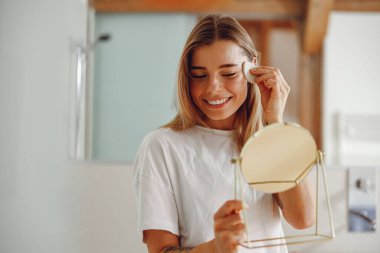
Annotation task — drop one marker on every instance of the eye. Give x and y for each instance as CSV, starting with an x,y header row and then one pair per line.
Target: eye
x,y
198,76
230,74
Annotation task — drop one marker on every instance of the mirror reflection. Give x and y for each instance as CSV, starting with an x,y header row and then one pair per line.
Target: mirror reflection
x,y
134,76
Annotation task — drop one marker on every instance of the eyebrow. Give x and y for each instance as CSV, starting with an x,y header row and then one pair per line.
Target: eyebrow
x,y
229,65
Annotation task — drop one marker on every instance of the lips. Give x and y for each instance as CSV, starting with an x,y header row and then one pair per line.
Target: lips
x,y
217,102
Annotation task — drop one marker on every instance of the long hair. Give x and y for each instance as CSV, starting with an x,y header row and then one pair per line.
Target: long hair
x,y
249,117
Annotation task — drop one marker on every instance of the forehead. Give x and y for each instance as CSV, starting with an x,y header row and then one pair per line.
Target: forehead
x,y
218,53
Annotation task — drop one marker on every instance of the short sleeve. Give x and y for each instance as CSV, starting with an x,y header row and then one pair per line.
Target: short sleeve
x,y
156,205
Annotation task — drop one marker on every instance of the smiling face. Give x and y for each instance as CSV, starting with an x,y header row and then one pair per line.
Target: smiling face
x,y
218,87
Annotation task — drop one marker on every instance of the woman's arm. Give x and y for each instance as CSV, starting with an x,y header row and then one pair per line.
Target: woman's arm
x,y
161,241
298,205
228,229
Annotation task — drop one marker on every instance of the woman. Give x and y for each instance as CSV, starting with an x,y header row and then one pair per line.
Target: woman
x,y
183,176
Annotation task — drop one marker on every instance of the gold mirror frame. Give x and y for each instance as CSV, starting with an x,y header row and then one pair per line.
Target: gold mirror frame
x,y
264,180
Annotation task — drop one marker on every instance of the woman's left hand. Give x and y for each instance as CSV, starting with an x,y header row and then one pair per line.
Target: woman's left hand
x,y
274,92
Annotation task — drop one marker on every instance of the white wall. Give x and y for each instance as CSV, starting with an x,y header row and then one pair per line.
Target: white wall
x,y
350,85
47,202
351,81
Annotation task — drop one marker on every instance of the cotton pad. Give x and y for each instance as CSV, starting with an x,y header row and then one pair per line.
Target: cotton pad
x,y
246,67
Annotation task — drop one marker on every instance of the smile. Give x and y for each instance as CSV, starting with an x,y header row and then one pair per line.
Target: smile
x,y
218,101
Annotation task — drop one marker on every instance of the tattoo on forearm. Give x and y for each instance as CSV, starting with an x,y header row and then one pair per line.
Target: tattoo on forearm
x,y
173,249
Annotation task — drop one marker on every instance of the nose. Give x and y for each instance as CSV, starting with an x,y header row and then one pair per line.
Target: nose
x,y
215,84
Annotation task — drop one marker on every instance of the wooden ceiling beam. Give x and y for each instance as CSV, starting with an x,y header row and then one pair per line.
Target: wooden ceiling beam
x,y
357,5
280,7
274,7
315,24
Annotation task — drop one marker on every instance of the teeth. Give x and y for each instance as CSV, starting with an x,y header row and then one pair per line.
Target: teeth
x,y
217,102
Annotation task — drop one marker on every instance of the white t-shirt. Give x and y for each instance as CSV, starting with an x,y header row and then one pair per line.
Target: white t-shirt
x,y
181,178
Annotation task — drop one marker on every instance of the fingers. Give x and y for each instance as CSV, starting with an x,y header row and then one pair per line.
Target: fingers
x,y
228,208
266,72
270,77
228,226
228,222
265,78
266,69
228,240
232,230
274,91
263,70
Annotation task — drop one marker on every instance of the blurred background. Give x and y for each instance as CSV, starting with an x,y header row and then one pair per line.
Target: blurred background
x,y
82,82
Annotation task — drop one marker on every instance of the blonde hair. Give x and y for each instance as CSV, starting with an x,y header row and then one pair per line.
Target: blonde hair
x,y
208,30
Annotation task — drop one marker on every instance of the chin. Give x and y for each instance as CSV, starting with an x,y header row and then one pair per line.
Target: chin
x,y
219,117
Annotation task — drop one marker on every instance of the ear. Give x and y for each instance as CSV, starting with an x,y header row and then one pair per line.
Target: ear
x,y
254,60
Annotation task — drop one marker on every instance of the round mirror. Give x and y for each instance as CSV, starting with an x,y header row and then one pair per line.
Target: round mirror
x,y
278,157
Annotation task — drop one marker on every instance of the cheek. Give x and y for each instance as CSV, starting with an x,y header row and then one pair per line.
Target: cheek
x,y
195,91
243,93
239,88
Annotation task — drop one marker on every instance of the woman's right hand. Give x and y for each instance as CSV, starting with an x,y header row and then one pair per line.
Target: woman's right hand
x,y
228,227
